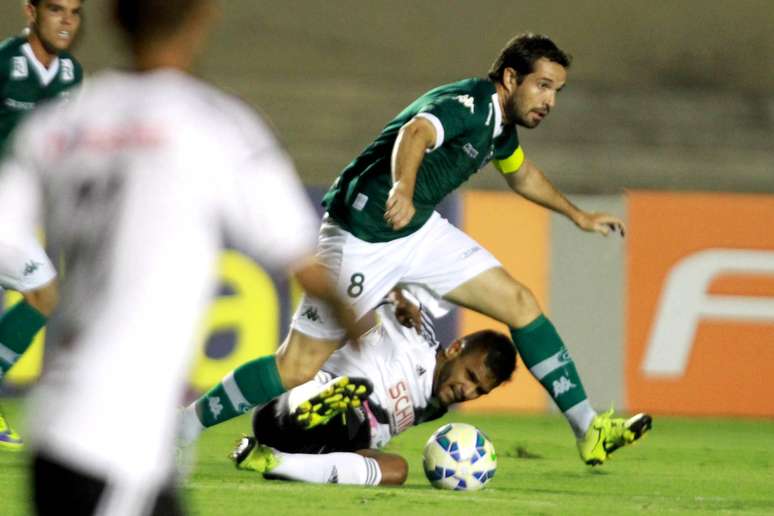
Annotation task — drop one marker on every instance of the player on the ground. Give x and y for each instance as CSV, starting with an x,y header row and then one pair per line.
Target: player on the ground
x,y
414,380
34,67
139,181
382,229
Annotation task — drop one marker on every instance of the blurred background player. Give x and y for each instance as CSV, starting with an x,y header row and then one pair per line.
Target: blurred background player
x,y
139,182
414,380
34,67
382,229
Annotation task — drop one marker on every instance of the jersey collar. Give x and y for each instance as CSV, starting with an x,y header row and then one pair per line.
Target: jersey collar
x,y
498,116
46,75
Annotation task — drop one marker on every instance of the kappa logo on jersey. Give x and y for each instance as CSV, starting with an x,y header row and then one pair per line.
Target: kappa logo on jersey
x,y
216,407
467,101
421,370
30,267
470,150
19,68
68,70
312,314
402,407
562,385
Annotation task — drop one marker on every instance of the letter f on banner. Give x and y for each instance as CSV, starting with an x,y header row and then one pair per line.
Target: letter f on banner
x,y
685,301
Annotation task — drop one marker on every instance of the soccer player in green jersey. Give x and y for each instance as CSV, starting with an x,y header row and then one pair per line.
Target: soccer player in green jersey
x,y
381,229
34,67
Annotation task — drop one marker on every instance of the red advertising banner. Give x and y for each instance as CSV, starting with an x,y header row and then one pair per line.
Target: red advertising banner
x,y
700,323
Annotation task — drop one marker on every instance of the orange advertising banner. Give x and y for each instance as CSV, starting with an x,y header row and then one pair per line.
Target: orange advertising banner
x,y
517,233
700,328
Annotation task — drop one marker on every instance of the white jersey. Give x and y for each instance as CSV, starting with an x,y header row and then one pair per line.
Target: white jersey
x,y
400,363
139,182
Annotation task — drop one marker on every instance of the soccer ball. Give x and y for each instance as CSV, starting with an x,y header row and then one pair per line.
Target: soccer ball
x,y
459,456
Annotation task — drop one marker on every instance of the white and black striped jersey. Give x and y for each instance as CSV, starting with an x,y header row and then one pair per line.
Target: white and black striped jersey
x,y
139,181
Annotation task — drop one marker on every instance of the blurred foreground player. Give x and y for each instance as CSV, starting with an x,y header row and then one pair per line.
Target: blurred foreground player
x,y
34,67
139,180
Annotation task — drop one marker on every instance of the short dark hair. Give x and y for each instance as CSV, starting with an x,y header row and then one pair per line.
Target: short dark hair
x,y
521,52
151,19
36,3
500,352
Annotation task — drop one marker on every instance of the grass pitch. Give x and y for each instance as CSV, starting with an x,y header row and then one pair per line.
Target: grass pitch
x,y
683,466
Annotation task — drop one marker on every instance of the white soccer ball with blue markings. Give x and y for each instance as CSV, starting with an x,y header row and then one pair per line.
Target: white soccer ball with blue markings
x,y
459,456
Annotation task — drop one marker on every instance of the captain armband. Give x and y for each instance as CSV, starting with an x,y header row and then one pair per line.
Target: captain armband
x,y
510,164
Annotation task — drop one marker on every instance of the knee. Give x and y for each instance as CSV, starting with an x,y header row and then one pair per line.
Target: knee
x,y
44,299
523,297
525,307
394,469
293,372
300,357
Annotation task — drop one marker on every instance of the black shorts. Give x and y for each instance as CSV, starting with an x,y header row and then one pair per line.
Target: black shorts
x,y
273,426
58,489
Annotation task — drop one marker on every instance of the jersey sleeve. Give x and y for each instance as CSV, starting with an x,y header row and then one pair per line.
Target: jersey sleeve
x,y
20,197
267,210
451,116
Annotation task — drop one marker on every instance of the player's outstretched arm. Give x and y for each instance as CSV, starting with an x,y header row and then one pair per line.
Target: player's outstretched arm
x,y
532,184
413,140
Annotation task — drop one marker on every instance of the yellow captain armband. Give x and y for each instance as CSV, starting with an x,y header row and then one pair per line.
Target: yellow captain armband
x,y
510,164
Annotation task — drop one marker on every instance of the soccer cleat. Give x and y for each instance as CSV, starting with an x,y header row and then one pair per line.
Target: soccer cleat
x,y
606,434
251,456
9,439
322,403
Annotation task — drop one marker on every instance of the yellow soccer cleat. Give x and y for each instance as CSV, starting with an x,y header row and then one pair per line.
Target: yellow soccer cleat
x,y
9,439
251,456
606,434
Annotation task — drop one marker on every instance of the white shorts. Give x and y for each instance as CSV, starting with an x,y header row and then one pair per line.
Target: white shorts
x,y
438,257
24,267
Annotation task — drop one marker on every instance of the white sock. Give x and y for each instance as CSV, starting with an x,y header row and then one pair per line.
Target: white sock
x,y
328,468
190,426
580,417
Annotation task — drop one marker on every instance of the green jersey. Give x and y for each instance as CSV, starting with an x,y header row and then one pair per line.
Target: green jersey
x,y
469,133
25,82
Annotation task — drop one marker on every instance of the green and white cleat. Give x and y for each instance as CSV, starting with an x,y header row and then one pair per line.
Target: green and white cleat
x,y
606,434
9,439
317,404
250,456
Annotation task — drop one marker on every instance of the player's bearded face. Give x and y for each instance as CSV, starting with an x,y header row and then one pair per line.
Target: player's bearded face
x,y
462,378
55,23
532,100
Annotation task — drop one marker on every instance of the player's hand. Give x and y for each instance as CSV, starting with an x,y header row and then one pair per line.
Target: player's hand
x,y
399,209
602,223
406,312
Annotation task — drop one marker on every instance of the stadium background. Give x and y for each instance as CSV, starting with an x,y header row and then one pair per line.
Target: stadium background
x,y
664,100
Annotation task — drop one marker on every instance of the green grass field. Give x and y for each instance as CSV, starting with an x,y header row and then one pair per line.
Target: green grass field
x,y
684,466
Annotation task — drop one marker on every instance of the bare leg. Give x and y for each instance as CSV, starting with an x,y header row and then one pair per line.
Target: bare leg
x,y
496,294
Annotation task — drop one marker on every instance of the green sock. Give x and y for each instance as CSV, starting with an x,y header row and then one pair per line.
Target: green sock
x,y
543,352
18,327
250,384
